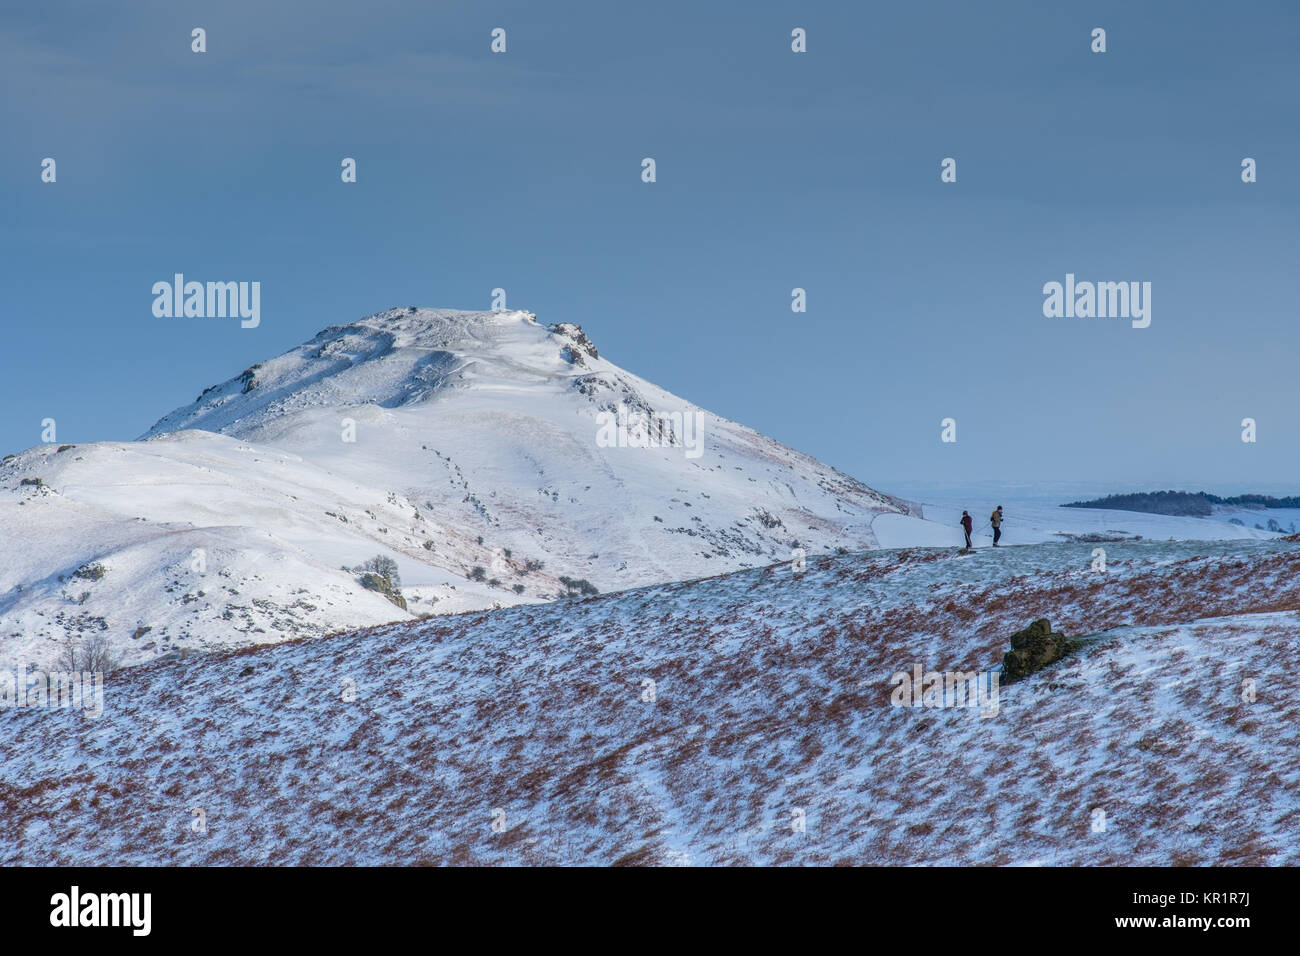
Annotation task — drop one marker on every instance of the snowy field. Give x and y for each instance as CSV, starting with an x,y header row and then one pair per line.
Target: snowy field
x,y
526,735
1029,520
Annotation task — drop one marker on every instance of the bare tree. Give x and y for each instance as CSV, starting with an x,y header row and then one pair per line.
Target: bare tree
x,y
385,567
94,654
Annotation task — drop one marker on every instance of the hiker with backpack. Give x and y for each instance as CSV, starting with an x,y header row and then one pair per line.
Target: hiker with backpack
x,y
967,525
995,520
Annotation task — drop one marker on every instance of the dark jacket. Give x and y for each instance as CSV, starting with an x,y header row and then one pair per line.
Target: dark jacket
x,y
966,522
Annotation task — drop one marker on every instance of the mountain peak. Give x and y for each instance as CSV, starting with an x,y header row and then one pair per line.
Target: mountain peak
x,y
401,356
493,459
418,323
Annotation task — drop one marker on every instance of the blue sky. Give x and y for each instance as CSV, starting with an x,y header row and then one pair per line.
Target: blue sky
x,y
775,170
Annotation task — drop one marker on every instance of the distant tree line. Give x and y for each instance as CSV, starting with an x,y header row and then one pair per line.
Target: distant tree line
x,y
1197,504
1257,501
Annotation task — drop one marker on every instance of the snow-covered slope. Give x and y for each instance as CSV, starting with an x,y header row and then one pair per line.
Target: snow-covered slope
x,y
471,448
197,541
489,421
464,446
530,734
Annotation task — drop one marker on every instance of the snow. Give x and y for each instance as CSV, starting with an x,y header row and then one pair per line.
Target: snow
x,y
206,541
1031,520
315,722
447,441
474,432
772,695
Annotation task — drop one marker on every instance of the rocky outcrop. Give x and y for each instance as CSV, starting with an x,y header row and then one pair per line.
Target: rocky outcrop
x,y
381,583
1032,649
579,347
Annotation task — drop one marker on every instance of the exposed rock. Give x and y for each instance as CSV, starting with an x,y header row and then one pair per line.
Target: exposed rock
x,y
579,345
378,582
1032,649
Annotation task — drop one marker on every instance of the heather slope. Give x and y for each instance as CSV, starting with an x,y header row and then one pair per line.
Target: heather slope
x,y
771,695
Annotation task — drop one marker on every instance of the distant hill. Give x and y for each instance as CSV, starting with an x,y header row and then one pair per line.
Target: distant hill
x,y
1182,503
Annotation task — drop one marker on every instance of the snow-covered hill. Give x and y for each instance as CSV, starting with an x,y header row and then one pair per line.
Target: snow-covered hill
x,y
469,447
533,734
480,451
197,541
490,421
